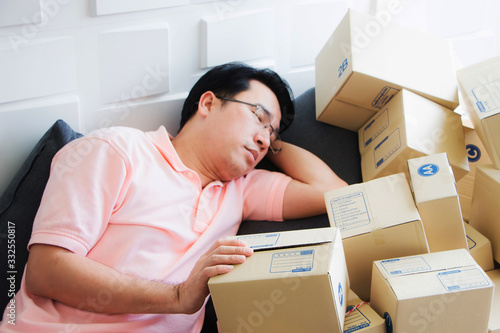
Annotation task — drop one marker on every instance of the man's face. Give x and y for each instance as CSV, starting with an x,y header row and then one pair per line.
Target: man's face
x,y
238,139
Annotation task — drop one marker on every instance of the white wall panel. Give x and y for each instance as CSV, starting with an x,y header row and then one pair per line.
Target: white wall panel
x,y
312,25
15,12
240,37
146,116
106,7
23,124
133,63
41,68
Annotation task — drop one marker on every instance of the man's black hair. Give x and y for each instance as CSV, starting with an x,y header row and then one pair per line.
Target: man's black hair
x,y
229,79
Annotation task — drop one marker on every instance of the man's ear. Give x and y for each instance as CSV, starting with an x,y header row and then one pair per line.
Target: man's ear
x,y
206,103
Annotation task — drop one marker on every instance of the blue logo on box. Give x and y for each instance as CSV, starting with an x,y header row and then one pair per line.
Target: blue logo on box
x,y
341,295
428,170
473,153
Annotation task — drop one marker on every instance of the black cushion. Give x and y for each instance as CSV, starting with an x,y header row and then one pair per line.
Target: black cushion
x,y
19,204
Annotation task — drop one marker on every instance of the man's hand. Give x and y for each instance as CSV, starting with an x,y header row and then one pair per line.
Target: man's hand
x,y
218,260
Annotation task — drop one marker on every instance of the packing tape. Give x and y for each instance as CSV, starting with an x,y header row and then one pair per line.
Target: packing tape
x,y
354,308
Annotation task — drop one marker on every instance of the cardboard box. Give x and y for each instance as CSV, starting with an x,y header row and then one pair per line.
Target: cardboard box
x,y
362,319
480,86
377,220
411,126
433,293
477,155
296,281
479,248
368,59
436,197
485,210
494,324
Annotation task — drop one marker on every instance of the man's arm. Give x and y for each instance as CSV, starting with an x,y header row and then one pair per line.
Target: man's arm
x,y
77,281
312,177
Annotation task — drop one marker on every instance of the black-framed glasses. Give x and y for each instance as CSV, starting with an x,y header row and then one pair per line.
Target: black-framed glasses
x,y
264,118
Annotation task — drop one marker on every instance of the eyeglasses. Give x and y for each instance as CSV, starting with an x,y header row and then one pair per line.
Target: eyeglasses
x,y
264,119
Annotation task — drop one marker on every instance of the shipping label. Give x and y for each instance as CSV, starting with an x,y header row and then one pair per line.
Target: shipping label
x,y
488,97
375,127
384,96
260,241
460,279
350,211
401,266
387,147
292,261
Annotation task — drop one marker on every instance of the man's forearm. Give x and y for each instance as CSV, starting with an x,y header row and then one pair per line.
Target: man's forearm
x,y
78,282
305,167
312,177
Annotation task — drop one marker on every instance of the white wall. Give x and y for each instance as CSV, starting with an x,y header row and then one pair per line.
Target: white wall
x,y
98,63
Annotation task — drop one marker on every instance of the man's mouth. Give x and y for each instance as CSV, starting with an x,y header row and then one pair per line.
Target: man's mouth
x,y
254,153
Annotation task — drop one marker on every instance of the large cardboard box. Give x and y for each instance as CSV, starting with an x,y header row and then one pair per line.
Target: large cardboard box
x,y
477,155
436,197
361,318
479,248
368,59
377,220
410,126
433,293
296,281
494,324
480,86
485,211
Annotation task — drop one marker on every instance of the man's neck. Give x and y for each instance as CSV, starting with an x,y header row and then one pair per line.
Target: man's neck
x,y
191,158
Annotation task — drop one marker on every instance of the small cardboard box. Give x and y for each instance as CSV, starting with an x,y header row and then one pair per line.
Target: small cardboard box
x,y
436,197
485,210
480,86
361,318
433,293
377,220
296,281
479,248
477,155
411,126
494,324
368,59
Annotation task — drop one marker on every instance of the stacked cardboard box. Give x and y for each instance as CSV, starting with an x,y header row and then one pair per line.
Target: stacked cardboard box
x,y
368,80
494,324
296,281
410,126
479,248
377,220
436,197
480,86
368,59
485,211
436,292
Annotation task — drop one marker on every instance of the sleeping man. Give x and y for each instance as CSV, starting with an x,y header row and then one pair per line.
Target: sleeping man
x,y
126,240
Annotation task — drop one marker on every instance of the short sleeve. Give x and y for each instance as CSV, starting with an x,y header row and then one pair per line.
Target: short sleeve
x,y
263,195
87,183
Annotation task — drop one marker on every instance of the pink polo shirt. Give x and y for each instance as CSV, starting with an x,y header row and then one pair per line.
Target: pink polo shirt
x,y
123,198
